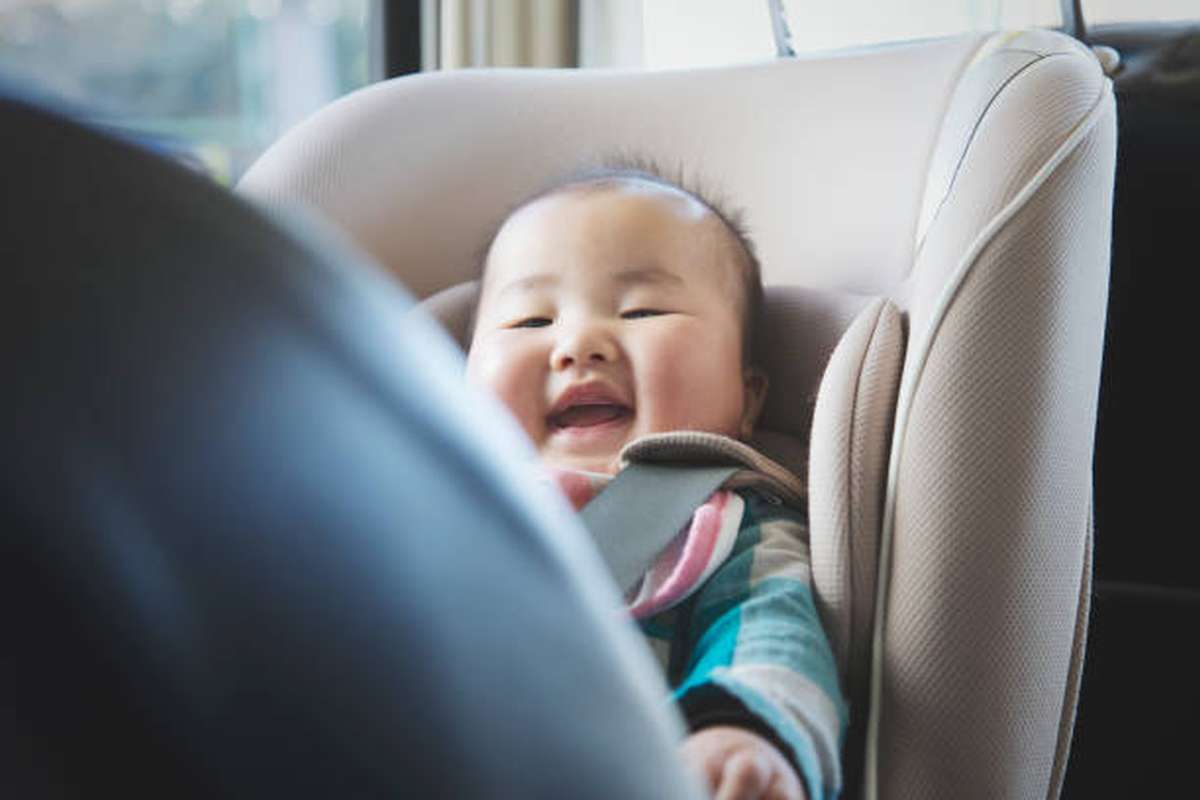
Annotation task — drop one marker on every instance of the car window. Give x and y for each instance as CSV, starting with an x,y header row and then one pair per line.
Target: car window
x,y
212,82
685,33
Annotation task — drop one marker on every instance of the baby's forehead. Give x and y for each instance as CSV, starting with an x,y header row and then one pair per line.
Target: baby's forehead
x,y
624,211
621,210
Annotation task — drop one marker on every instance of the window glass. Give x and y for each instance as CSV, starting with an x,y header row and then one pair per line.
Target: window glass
x,y
680,33
1102,11
827,25
212,82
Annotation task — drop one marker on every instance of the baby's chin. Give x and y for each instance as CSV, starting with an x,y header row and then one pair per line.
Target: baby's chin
x,y
606,464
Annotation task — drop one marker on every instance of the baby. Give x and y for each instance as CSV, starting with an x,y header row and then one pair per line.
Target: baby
x,y
617,305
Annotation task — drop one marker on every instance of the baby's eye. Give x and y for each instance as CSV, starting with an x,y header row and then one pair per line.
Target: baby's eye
x,y
639,313
531,322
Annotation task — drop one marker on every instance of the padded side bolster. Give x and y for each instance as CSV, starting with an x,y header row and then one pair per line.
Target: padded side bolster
x,y
453,308
851,434
847,473
982,561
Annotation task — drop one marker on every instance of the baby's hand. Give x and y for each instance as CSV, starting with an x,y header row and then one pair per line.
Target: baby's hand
x,y
737,764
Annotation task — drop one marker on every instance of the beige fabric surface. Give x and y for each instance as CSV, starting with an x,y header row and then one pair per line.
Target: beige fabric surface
x,y
705,447
851,435
790,451
999,61
979,620
1040,105
1071,701
453,307
827,156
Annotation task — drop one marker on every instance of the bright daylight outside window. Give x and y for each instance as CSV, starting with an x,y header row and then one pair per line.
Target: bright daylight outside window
x,y
685,33
212,82
693,33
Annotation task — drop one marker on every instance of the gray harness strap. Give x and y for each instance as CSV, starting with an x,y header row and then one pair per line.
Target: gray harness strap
x,y
643,508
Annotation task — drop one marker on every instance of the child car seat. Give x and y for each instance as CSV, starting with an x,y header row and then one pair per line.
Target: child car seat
x,y
954,192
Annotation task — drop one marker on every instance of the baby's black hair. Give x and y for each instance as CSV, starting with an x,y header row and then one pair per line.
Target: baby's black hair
x,y
615,169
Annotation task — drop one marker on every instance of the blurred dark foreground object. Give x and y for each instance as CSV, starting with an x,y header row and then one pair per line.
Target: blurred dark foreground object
x,y
253,543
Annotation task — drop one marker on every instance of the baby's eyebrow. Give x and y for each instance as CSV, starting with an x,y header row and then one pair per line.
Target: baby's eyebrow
x,y
529,283
647,275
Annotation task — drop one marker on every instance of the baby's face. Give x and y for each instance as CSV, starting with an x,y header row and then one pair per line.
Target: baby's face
x,y
611,313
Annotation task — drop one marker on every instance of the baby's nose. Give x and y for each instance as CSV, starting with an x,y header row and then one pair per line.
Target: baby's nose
x,y
590,345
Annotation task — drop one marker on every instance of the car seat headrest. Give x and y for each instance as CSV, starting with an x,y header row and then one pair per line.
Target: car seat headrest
x,y
453,308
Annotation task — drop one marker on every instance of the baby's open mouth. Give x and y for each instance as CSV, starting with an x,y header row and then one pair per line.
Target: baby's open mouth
x,y
586,415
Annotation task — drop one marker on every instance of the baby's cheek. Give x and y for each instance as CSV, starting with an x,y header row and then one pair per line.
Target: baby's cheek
x,y
696,387
512,380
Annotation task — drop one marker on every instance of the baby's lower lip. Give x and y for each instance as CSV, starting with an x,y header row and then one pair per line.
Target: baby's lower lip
x,y
589,423
588,415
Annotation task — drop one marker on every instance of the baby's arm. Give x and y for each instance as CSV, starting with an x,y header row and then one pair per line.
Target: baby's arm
x,y
759,660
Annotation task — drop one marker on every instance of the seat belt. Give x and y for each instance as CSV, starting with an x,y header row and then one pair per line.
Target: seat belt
x,y
643,508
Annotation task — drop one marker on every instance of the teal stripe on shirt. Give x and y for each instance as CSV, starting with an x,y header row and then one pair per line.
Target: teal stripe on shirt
x,y
719,612
787,633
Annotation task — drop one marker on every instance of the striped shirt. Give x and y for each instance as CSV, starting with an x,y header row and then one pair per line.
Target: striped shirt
x,y
728,608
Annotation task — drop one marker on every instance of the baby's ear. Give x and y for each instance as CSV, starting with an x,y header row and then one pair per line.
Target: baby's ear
x,y
754,384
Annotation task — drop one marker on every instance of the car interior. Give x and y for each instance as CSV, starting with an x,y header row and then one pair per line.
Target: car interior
x,y
261,538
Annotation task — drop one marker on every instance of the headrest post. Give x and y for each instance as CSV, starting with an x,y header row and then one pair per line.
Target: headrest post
x,y
779,26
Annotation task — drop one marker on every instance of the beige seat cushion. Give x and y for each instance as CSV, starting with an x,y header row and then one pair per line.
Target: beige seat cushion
x,y
851,436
